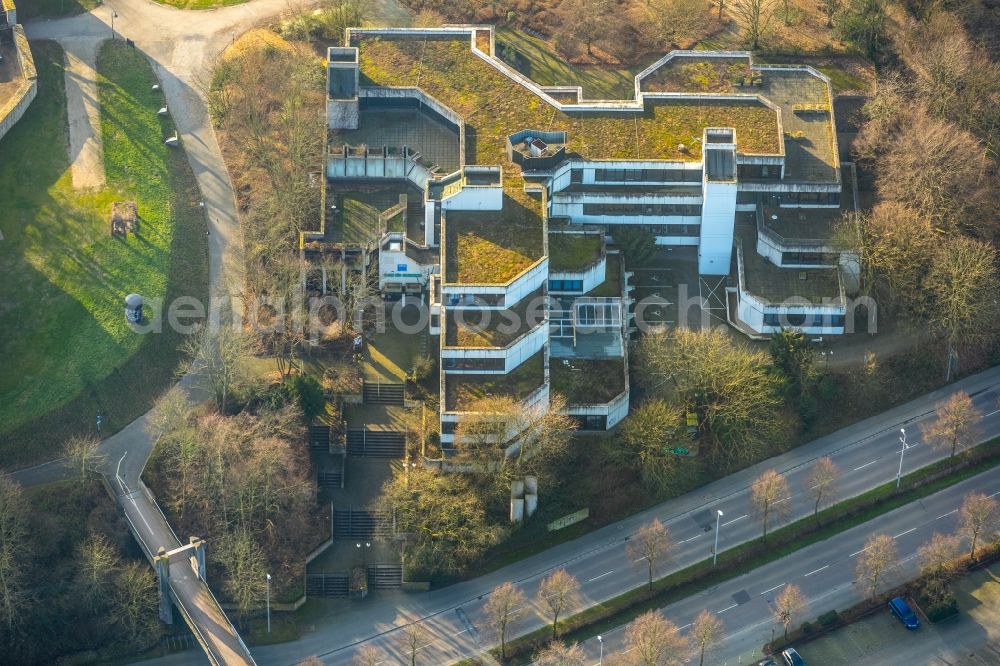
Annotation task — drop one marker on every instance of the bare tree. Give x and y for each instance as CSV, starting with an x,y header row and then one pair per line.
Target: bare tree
x,y
653,640
134,608
588,19
98,561
706,633
219,356
413,639
673,21
938,563
956,424
878,556
557,592
506,605
14,551
755,15
768,495
653,544
170,412
246,570
367,656
313,660
821,482
980,519
558,653
82,453
789,602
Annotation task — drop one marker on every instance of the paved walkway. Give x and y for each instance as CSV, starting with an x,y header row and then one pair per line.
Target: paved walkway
x,y
86,147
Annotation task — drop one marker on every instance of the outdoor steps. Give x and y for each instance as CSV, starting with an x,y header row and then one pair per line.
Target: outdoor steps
x,y
375,443
385,576
326,585
319,437
381,393
330,479
360,524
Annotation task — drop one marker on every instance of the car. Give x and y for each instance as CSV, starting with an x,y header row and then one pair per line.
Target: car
x,y
792,657
902,610
767,662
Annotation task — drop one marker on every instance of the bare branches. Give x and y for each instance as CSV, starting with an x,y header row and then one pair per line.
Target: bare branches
x,y
652,544
821,482
557,592
755,16
769,494
558,653
788,602
83,455
956,425
505,606
980,519
706,634
878,556
653,640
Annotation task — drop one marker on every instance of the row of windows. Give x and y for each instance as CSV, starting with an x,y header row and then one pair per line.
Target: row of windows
x,y
777,198
647,175
799,320
808,258
625,210
758,171
472,363
565,285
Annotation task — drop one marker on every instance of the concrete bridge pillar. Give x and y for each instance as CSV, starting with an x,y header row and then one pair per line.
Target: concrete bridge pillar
x,y
198,558
162,564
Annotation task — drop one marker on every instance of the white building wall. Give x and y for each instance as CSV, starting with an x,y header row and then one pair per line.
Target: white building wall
x,y
718,214
475,198
525,284
615,411
514,354
751,312
592,277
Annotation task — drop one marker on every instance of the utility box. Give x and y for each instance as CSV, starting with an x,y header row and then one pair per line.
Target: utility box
x,y
133,308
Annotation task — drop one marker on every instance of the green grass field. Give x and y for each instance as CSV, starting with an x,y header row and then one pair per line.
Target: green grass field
x,y
28,9
67,350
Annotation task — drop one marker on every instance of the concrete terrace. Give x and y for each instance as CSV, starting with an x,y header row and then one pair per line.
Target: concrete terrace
x,y
463,390
493,328
437,142
772,284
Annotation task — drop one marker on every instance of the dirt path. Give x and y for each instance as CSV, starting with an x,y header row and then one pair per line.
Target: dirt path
x,y
86,148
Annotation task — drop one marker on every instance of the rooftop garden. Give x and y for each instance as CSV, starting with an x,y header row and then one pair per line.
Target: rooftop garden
x,y
493,328
584,381
775,285
573,252
612,278
355,220
494,107
696,75
493,247
461,391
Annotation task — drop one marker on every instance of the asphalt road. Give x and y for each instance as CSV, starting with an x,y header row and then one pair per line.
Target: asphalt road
x,y
867,454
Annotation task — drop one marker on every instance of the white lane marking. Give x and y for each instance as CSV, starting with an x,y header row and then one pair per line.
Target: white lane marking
x,y
783,500
726,609
995,411
772,589
858,553
685,626
945,515
601,576
735,519
690,539
865,465
995,494
816,571
912,529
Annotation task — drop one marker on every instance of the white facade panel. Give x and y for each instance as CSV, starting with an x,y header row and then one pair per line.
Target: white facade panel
x,y
718,215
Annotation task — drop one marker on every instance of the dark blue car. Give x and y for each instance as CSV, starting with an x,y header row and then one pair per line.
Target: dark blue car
x,y
902,610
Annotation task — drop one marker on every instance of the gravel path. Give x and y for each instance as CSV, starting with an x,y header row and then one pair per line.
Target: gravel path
x,y
86,148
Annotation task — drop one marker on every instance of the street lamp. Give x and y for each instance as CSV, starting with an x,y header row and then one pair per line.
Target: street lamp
x,y
600,639
902,439
268,603
114,15
715,551
364,553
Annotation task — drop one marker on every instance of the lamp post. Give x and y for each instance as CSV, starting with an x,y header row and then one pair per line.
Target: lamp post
x,y
268,603
364,553
114,15
902,439
715,551
600,639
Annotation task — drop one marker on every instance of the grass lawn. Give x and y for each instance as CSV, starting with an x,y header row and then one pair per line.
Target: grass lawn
x,y
68,351
587,381
28,9
535,59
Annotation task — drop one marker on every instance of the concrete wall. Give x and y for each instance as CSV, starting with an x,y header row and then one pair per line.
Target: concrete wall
x,y
514,354
592,277
474,197
15,107
717,218
518,288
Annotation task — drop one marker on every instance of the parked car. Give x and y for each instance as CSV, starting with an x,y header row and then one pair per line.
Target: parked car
x,y
792,658
902,610
767,662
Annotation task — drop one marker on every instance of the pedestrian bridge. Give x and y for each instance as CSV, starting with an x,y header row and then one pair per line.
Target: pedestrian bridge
x,y
180,570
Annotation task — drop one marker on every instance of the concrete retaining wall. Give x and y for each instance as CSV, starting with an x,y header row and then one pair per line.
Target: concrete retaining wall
x,y
15,107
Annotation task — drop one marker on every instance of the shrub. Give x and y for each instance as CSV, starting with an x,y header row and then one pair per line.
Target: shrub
x,y
309,395
829,618
807,628
943,609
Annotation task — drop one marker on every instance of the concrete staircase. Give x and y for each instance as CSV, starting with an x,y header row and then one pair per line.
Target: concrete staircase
x,y
353,523
375,443
381,393
385,576
327,585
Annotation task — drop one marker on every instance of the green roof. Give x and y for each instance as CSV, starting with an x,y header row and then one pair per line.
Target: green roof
x,y
494,106
573,252
587,381
463,390
493,328
776,285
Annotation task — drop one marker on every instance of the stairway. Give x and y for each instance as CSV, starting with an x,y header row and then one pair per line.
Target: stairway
x,y
330,479
319,437
385,576
375,443
381,393
326,585
360,524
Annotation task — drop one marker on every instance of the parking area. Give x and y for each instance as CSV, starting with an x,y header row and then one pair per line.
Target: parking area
x,y
666,293
971,639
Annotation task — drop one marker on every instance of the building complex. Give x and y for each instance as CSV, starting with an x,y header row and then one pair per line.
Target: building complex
x,y
495,200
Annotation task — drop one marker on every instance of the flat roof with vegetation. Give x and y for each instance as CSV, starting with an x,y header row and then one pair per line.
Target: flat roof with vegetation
x,y
611,286
493,247
573,252
462,391
470,327
775,285
585,381
494,106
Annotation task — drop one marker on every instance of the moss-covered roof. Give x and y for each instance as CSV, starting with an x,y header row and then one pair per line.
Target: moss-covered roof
x,y
573,252
494,106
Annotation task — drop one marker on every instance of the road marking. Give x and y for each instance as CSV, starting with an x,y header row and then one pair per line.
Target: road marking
x,y
685,626
912,529
865,465
816,571
995,494
783,500
690,539
772,589
859,552
601,576
945,515
734,520
726,609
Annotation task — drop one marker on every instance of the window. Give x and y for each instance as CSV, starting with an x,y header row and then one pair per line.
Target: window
x,y
627,210
472,363
647,175
565,285
593,422
448,427
576,176
801,320
759,172
808,258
